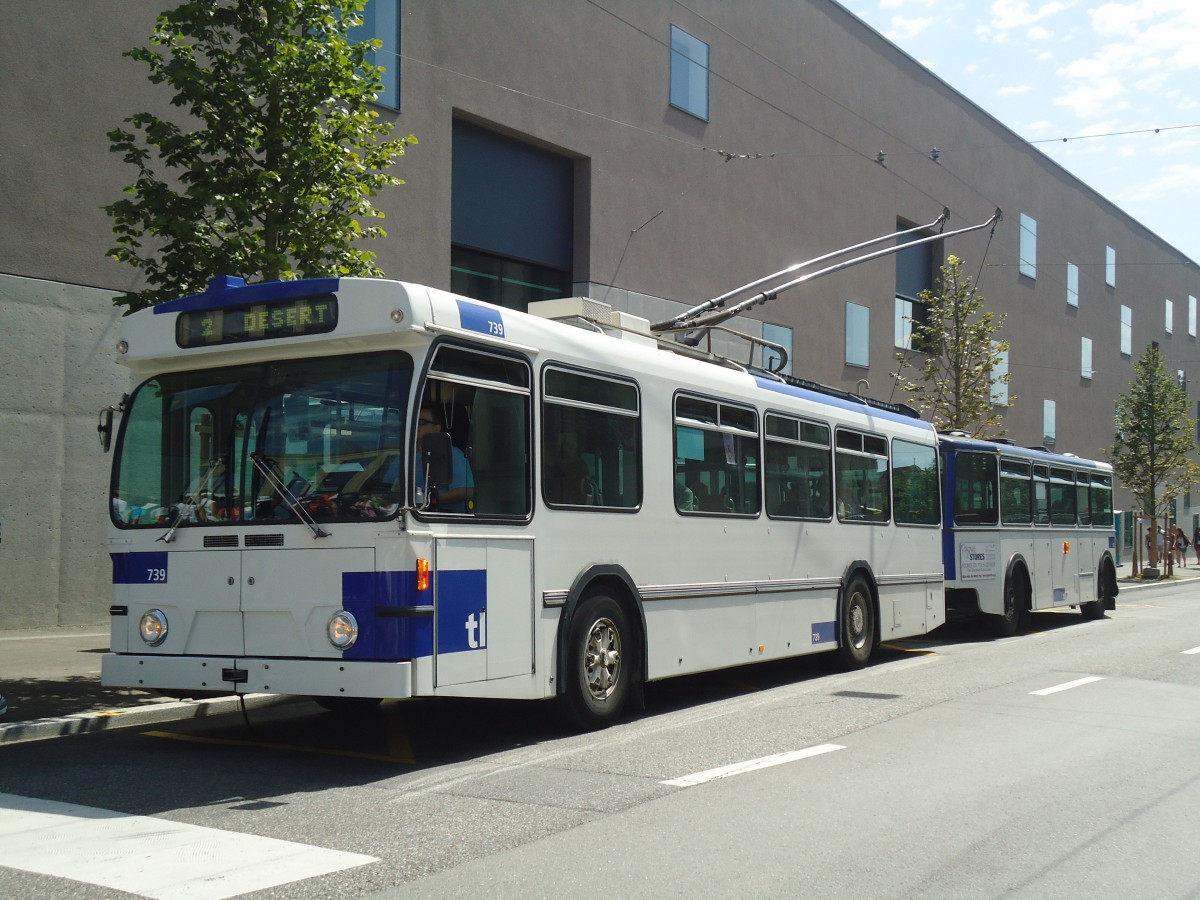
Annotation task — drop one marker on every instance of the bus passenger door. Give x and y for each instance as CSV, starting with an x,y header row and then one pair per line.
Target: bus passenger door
x,y
483,601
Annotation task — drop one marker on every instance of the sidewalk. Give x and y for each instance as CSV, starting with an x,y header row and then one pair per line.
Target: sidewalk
x,y
50,678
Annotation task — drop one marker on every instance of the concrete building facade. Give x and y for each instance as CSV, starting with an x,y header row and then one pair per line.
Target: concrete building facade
x,y
646,153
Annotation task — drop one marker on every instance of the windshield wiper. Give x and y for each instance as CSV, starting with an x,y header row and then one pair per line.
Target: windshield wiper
x,y
203,484
263,469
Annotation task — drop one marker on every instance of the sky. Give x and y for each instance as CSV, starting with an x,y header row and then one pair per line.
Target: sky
x,y
1119,79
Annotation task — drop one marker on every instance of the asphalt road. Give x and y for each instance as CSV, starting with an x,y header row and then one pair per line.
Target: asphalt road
x,y
1061,763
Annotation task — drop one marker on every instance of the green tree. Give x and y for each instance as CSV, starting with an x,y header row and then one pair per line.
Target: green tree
x,y
271,169
954,382
1156,441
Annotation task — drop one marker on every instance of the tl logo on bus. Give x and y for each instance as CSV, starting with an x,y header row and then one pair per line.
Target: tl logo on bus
x,y
477,630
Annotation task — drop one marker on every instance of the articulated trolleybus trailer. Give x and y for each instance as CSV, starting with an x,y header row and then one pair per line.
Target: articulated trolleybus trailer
x,y
356,489
1025,530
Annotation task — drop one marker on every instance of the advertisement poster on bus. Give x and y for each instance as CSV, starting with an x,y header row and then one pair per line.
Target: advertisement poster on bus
x,y
977,560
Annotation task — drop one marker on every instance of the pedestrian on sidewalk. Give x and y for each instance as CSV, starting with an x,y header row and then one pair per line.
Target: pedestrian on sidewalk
x,y
3,706
1181,546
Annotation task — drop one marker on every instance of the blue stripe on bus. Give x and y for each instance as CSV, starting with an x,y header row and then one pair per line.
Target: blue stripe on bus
x,y
875,412
139,568
948,560
479,318
227,292
461,613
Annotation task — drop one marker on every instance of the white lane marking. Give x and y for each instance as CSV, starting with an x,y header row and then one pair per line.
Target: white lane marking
x,y
152,857
763,762
1078,682
1194,650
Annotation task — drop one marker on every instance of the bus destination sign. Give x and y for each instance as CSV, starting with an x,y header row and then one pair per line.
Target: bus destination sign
x,y
257,321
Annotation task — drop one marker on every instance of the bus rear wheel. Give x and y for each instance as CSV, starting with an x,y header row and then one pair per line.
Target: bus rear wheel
x,y
856,624
599,663
1008,623
1105,588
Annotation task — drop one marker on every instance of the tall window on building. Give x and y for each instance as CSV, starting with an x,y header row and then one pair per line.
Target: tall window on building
x,y
1191,316
512,208
858,335
1110,267
782,335
381,20
1049,429
1028,246
1000,388
915,268
1170,317
1072,285
689,73
1126,331
1085,358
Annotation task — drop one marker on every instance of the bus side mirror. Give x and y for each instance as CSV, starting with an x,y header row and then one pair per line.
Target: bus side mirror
x,y
105,427
437,459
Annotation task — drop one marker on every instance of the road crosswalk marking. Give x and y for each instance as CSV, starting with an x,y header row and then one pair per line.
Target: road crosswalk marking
x,y
152,857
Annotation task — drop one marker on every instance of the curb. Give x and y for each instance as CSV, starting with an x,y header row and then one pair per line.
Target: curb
x,y
130,717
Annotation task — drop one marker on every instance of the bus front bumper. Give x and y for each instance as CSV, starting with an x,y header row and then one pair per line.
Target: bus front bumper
x,y
246,675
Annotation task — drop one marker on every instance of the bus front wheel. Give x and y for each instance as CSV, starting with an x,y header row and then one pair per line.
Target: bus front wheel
x,y
599,663
856,624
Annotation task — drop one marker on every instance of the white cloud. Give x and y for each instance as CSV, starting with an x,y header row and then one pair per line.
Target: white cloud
x,y
904,28
1010,14
1038,33
1014,90
1171,181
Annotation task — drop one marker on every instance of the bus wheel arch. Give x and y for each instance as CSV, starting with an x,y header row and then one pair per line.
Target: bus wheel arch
x,y
858,615
601,655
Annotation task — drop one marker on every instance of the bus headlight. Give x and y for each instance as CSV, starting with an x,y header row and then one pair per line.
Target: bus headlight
x,y
153,627
342,630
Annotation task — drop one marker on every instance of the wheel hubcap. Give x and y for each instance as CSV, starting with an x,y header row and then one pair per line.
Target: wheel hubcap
x,y
856,620
602,659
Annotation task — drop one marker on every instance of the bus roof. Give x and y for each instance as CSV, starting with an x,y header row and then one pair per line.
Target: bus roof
x,y
1034,454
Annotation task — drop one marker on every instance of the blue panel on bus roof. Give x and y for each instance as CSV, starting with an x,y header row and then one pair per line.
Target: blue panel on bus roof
x,y
480,318
780,387
231,291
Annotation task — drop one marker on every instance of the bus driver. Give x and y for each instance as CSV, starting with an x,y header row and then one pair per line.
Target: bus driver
x,y
457,496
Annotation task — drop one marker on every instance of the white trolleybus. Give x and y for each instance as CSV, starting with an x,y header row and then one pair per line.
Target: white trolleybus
x,y
1025,530
357,488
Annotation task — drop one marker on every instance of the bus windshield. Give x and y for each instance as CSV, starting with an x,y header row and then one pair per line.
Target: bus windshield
x,y
252,443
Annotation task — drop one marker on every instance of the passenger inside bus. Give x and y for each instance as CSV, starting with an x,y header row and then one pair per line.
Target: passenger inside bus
x,y
458,496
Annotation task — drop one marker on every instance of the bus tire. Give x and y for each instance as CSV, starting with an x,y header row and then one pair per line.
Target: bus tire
x,y
1104,589
856,624
600,663
1008,623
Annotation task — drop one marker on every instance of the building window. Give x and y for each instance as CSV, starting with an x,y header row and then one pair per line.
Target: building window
x,y
1000,388
914,275
689,73
1085,358
512,219
1126,331
1191,316
1110,267
858,335
381,21
1028,246
1072,285
1049,435
777,334
1181,378
1170,317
